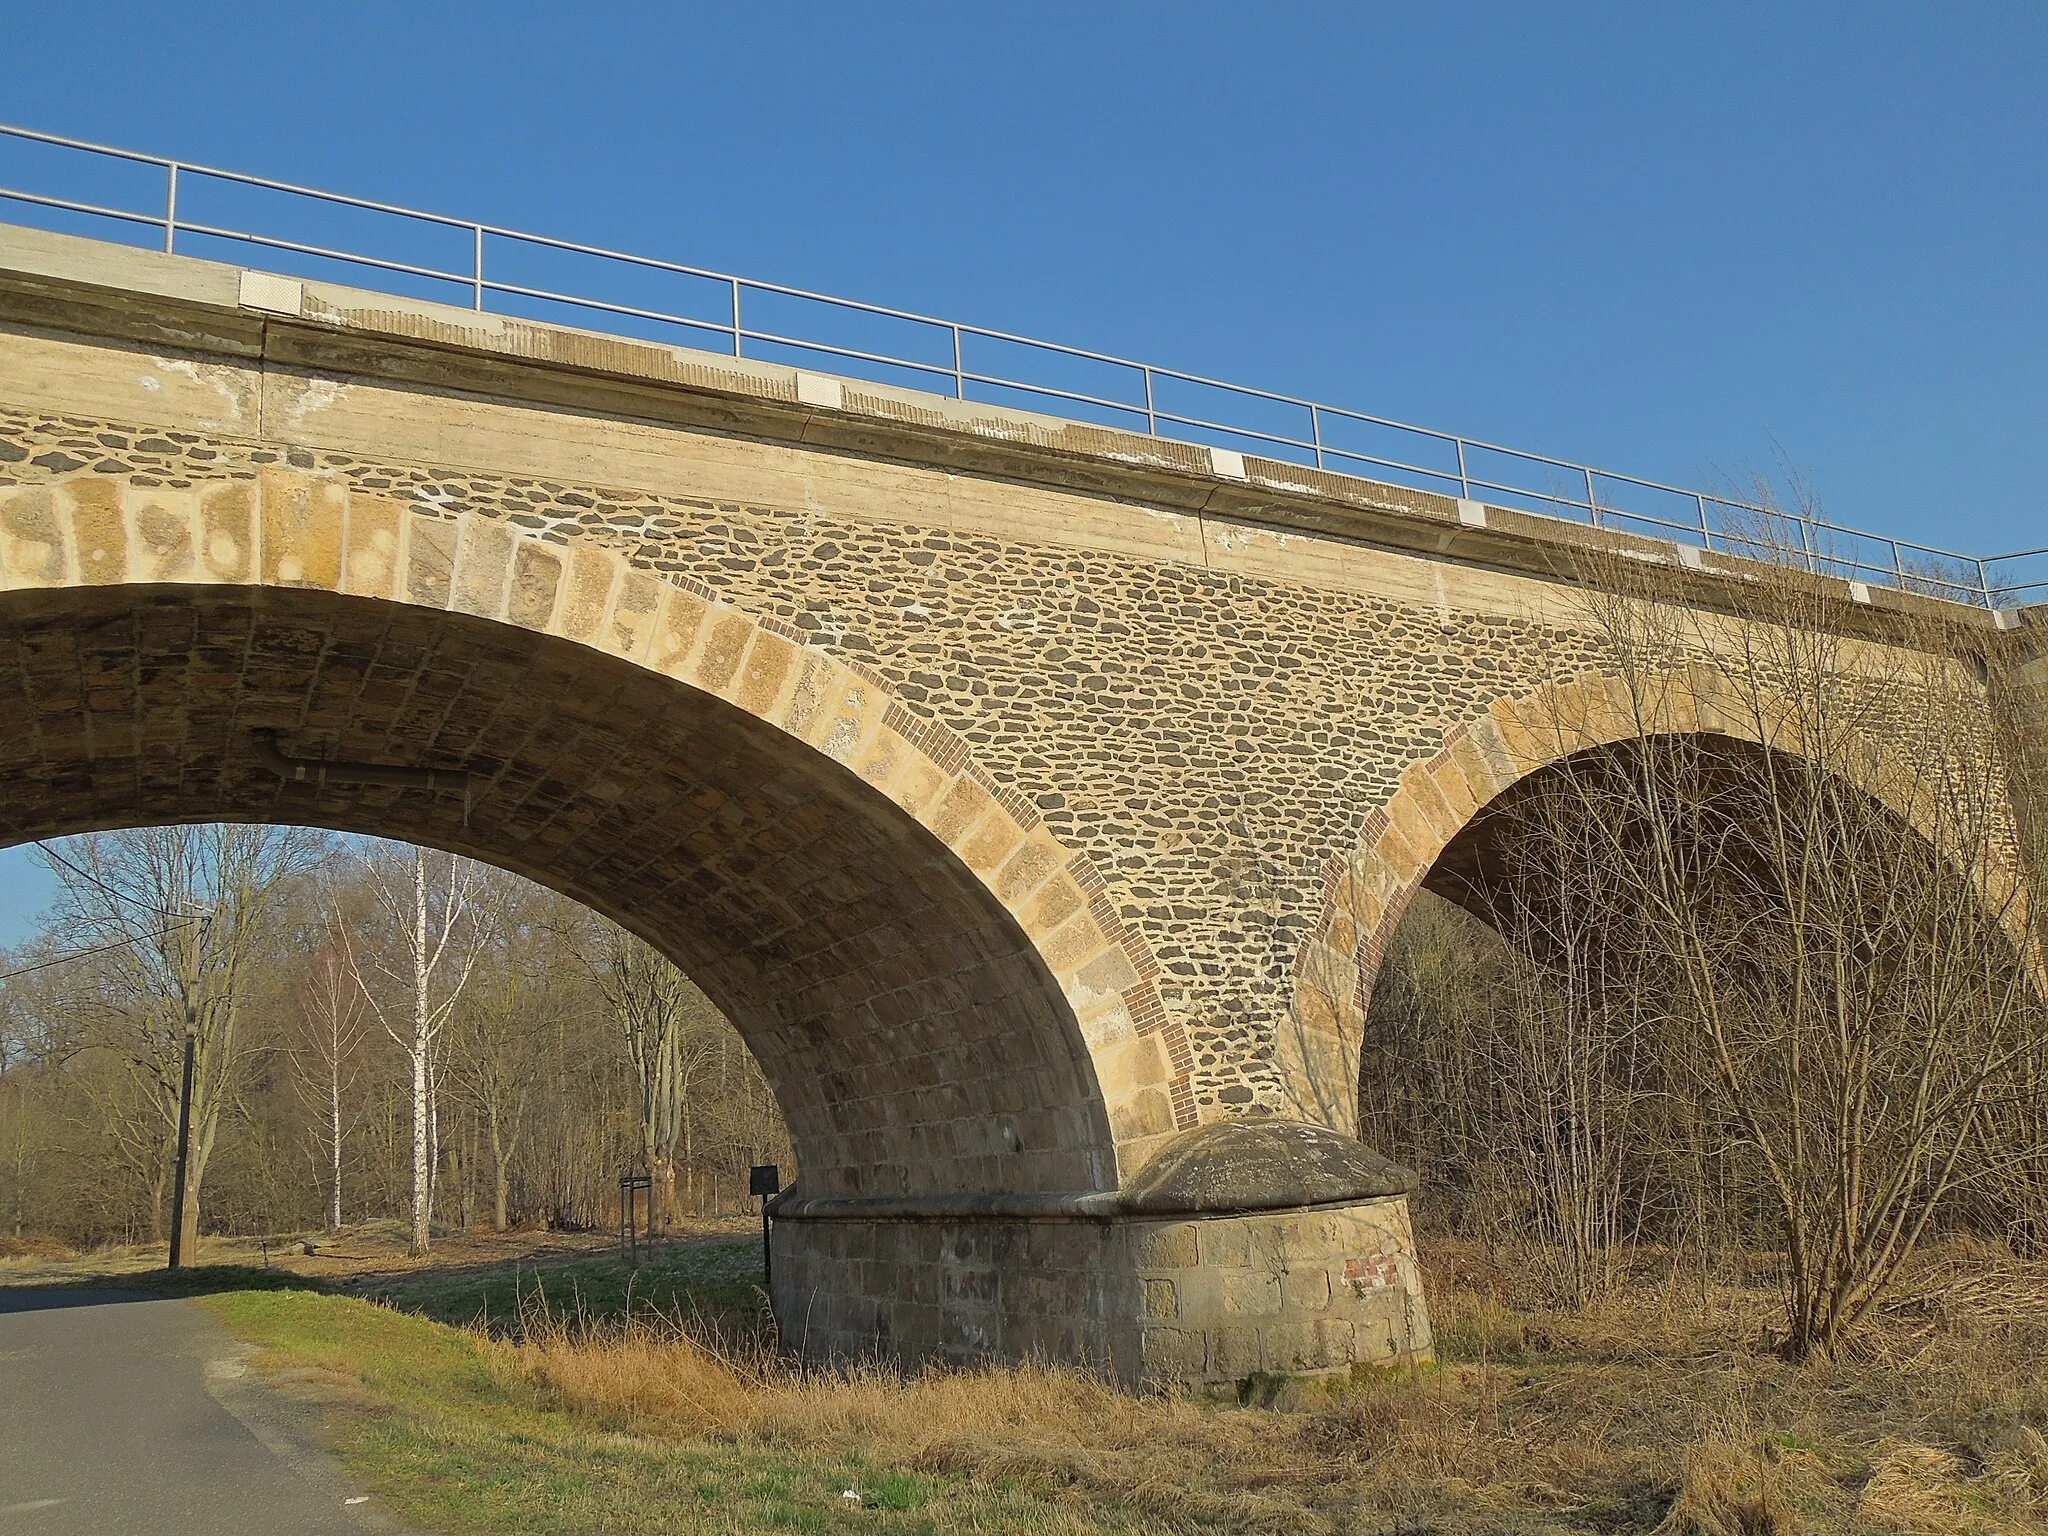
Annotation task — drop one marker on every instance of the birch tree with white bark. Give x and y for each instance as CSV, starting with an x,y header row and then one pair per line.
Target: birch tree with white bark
x,y
439,926
327,1059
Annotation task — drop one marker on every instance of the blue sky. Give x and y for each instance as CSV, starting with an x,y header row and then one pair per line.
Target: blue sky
x,y
1663,239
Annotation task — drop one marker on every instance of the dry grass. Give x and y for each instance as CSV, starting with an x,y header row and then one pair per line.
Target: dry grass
x,y
1660,1407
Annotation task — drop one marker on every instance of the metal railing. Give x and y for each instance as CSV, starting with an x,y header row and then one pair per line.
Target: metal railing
x,y
495,269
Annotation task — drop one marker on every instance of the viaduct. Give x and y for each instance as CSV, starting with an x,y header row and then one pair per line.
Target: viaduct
x,y
1035,798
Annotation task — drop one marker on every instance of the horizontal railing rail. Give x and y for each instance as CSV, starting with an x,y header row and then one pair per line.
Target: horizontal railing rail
x,y
1155,400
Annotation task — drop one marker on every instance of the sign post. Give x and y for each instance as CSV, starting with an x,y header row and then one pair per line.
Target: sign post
x,y
765,1180
630,1185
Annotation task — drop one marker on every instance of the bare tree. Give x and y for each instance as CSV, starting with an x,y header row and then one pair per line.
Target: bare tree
x,y
327,1058
671,1034
40,1035
1770,968
530,1100
1518,1083
1832,915
497,1030
140,894
438,925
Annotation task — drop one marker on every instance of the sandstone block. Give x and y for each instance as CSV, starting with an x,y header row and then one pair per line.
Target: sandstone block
x,y
1224,1244
227,516
301,529
483,567
1175,1354
164,541
1160,1299
430,560
99,532
31,539
629,631
1235,1351
1305,1290
718,659
1171,1247
1288,1347
769,663
372,555
675,639
536,578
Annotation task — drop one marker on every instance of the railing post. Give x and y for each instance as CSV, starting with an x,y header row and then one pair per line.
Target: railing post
x,y
1984,583
477,265
1464,478
1706,534
1592,501
736,331
171,212
1315,432
959,368
1151,411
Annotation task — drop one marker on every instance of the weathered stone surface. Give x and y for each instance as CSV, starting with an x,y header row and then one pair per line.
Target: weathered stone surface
x,y
1037,802
1254,1165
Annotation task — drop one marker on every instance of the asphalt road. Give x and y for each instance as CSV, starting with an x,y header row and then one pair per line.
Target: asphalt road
x,y
126,1414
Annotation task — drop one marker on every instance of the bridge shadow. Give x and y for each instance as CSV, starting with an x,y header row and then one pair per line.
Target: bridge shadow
x,y
150,1285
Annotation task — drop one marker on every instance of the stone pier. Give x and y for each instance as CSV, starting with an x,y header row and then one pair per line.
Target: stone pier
x,y
1244,1249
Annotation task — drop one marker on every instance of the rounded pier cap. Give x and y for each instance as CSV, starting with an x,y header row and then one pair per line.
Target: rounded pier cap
x,y
1260,1165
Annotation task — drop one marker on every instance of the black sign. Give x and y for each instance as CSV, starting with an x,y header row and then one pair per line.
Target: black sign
x,y
764,1179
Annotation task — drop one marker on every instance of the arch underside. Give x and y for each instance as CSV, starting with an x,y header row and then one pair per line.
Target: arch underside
x,y
1438,833
916,1039
1483,867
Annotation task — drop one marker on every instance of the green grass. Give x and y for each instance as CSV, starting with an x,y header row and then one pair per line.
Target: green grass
x,y
448,1443
716,1282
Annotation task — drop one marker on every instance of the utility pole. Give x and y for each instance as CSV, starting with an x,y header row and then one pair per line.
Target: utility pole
x,y
185,1095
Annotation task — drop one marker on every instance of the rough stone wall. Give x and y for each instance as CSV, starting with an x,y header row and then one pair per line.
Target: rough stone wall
x,y
1281,1293
1214,1300
1213,740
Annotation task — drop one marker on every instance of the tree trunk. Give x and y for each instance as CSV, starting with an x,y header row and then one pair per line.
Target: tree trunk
x,y
156,1203
650,1160
334,1125
422,1189
501,1182
661,1195
188,1237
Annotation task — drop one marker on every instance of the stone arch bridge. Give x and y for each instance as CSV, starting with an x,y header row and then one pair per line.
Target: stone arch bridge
x,y
1034,798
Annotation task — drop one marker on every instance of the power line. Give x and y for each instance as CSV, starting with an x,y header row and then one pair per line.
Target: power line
x,y
91,878
80,954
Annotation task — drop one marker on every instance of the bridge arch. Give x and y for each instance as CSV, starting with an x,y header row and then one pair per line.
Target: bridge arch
x,y
1000,1152
935,985
1367,893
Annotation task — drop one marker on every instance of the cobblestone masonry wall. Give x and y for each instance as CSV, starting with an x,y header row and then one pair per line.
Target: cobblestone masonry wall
x,y
1213,741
